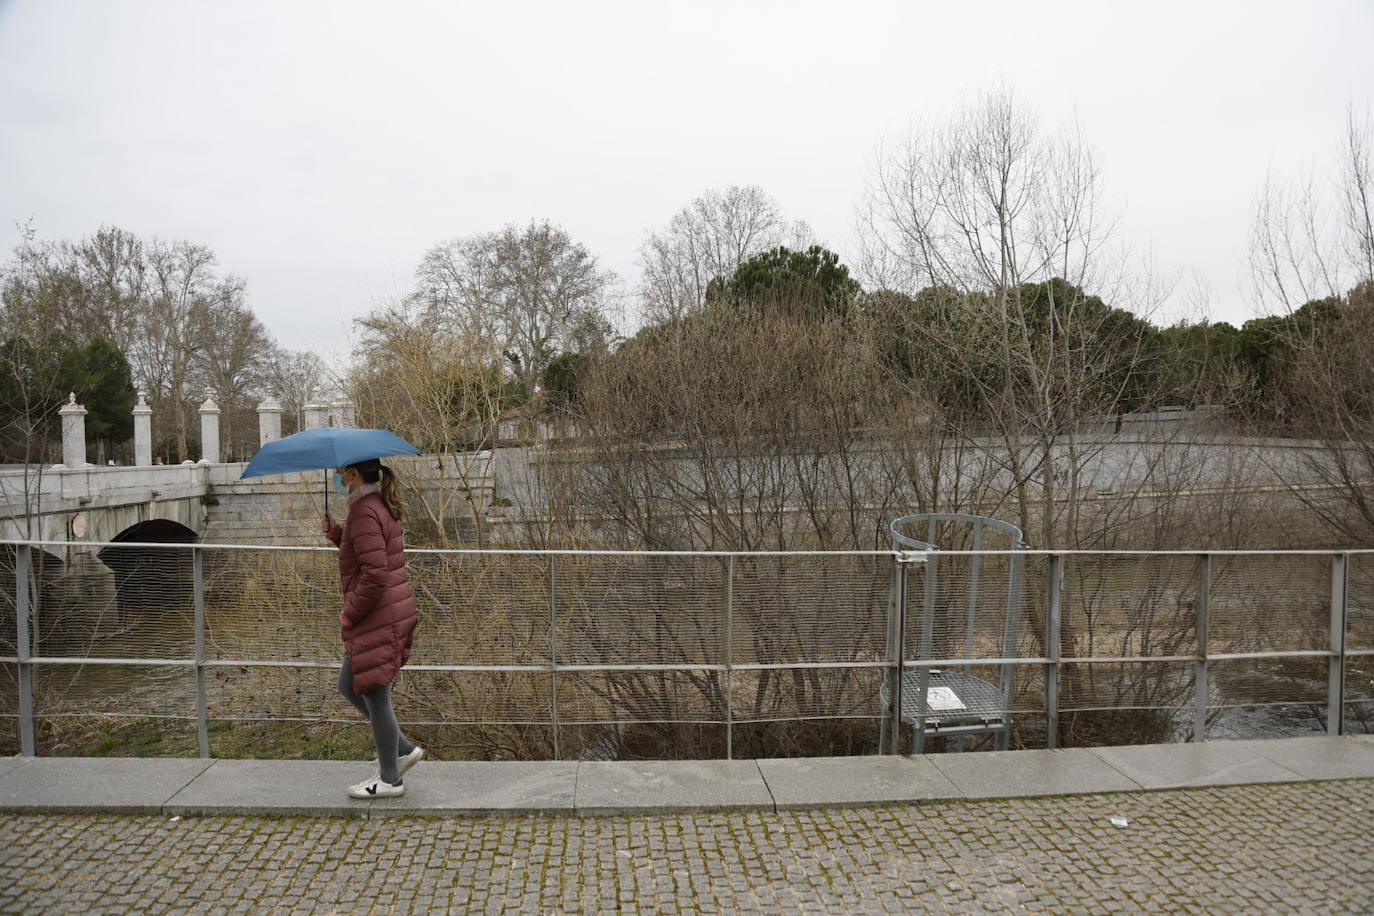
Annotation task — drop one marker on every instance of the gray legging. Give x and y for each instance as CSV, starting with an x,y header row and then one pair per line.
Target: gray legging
x,y
386,731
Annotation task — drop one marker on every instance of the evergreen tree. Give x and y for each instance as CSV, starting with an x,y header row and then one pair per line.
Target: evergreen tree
x,y
99,375
813,278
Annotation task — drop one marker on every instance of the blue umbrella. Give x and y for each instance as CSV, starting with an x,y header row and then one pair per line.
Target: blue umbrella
x,y
324,448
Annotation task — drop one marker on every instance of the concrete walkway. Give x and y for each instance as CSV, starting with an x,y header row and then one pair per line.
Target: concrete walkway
x,y
244,787
944,834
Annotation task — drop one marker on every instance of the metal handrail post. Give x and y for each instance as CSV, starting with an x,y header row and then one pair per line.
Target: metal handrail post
x,y
890,638
1203,623
198,588
23,563
1335,676
1052,651
729,658
975,570
918,740
553,655
892,722
1011,648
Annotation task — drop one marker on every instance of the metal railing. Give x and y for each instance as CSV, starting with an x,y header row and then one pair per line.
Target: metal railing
x,y
1108,647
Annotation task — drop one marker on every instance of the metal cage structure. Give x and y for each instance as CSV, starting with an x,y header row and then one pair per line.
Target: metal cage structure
x,y
934,697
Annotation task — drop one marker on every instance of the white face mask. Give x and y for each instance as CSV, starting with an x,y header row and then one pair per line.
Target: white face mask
x,y
339,484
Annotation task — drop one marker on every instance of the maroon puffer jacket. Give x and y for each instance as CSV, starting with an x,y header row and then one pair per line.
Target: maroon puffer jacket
x,y
378,618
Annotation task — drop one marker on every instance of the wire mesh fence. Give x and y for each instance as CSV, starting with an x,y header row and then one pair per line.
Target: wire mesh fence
x,y
566,654
1358,687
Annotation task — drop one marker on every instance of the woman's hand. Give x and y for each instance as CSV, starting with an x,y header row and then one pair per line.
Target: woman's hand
x,y
328,523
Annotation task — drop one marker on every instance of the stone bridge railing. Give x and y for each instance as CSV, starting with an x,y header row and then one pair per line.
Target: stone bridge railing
x,y
95,503
76,503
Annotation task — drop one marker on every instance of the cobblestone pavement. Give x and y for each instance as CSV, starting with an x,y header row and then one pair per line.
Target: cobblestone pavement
x,y
1305,847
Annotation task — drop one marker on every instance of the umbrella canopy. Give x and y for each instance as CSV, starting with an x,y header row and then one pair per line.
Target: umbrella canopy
x,y
324,448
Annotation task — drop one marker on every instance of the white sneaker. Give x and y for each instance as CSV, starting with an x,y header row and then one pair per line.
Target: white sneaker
x,y
376,787
407,761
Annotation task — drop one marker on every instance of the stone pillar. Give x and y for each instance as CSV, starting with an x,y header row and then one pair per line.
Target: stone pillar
x,y
143,432
316,412
269,420
73,433
342,411
209,430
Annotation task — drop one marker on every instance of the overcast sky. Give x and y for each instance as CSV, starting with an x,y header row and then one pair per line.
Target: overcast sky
x,y
321,148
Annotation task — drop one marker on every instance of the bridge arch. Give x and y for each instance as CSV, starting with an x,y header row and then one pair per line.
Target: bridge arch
x,y
151,580
156,531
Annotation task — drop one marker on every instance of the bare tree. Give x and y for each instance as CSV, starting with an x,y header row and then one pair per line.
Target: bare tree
x,y
444,391
95,287
181,324
102,285
745,426
1313,255
1010,223
707,240
530,292
234,361
184,286
739,428
1357,197
1305,245
35,288
30,395
292,375
113,277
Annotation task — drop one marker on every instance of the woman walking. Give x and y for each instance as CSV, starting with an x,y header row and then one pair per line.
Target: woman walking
x,y
378,618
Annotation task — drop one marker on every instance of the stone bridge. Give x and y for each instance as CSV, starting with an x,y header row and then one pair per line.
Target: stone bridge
x,y
86,515
206,501
203,501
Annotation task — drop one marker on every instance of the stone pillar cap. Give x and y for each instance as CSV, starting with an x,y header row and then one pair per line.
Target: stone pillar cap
x,y
209,406
269,403
71,408
142,406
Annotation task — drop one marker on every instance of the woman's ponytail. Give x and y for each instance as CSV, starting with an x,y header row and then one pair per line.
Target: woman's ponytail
x,y
389,488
